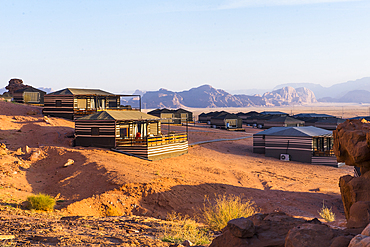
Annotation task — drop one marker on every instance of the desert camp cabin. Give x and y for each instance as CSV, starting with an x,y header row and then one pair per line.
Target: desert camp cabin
x,y
130,132
304,144
29,95
178,116
72,103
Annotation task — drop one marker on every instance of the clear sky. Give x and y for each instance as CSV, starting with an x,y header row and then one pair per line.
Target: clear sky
x,y
123,45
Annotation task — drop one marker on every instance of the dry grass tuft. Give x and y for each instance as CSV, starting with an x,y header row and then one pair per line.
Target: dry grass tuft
x,y
41,202
184,228
326,213
226,208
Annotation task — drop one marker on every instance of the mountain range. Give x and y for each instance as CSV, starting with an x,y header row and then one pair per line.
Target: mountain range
x,y
350,91
206,96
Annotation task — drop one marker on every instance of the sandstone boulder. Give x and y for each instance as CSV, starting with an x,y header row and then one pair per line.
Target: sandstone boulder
x,y
351,144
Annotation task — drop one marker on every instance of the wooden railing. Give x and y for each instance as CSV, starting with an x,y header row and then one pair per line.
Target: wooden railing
x,y
323,153
152,140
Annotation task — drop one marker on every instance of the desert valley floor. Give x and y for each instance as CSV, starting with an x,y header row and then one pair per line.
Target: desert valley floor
x,y
100,177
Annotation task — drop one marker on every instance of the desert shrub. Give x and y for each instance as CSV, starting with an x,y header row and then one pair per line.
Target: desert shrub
x,y
41,202
326,213
226,208
112,211
184,228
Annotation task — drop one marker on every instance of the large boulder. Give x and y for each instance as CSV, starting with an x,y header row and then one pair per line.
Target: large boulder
x,y
351,144
308,235
274,229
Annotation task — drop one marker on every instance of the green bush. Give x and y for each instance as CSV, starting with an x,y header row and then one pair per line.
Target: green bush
x,y
41,202
184,228
226,208
326,213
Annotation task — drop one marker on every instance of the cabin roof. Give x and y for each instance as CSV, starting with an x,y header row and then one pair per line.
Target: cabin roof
x,y
273,113
119,116
225,116
285,119
81,91
313,115
309,131
29,89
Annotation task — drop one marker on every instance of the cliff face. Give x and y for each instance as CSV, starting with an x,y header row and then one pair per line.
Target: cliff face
x,y
208,97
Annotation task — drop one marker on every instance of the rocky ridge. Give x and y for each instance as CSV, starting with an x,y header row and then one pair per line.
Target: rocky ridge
x,y
206,96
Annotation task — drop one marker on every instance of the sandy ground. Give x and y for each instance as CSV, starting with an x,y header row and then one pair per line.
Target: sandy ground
x,y
100,177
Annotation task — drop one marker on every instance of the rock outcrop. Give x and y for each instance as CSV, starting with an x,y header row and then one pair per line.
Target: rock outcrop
x,y
352,146
280,229
14,85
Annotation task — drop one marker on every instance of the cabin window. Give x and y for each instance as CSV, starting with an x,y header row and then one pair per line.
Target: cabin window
x,y
95,131
81,104
323,146
58,103
31,97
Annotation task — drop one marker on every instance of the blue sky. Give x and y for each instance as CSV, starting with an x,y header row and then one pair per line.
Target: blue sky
x,y
126,45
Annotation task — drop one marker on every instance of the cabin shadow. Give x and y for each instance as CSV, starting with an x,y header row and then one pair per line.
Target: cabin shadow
x,y
73,183
190,200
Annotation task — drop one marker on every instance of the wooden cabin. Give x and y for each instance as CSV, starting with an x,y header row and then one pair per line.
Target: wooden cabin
x,y
131,132
226,121
72,103
29,95
178,116
206,117
304,144
283,122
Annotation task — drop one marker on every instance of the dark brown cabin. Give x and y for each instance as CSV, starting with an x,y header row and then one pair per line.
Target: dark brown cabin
x,y
130,132
29,95
73,103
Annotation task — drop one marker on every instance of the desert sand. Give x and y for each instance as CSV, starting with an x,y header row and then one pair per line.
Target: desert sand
x,y
100,177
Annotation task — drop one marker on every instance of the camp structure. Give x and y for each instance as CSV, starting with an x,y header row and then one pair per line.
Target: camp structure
x,y
226,121
206,117
307,144
275,113
284,121
179,116
130,132
72,103
29,95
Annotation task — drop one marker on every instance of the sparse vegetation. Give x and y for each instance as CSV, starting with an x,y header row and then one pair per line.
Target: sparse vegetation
x,y
41,202
226,208
112,211
184,228
326,213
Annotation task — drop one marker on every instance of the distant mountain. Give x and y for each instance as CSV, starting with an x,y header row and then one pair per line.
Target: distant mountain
x,y
335,92
206,96
356,96
46,89
3,90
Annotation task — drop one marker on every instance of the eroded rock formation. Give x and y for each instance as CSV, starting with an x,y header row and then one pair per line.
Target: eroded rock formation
x,y
352,146
14,85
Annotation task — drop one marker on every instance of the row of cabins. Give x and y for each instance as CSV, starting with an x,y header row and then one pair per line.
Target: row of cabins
x,y
266,120
222,119
102,121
